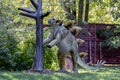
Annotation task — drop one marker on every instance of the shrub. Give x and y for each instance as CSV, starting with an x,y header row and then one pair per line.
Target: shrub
x,y
8,46
110,37
16,52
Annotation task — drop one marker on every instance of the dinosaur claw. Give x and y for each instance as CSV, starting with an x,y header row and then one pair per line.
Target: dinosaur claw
x,y
100,63
97,62
103,62
49,46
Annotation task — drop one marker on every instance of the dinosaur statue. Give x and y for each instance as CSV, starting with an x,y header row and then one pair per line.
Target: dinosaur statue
x,y
67,44
70,25
75,30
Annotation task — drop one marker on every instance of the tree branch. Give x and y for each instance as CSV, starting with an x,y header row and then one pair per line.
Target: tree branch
x,y
46,14
28,15
35,4
26,10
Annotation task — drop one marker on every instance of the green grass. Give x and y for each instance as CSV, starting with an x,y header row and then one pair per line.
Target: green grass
x,y
105,73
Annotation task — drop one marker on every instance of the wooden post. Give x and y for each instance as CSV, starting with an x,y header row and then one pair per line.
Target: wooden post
x,y
38,15
95,54
90,49
100,51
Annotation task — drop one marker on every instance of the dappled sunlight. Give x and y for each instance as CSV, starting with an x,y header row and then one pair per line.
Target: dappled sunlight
x,y
8,76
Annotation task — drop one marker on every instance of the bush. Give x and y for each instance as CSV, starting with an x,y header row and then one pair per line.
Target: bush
x,y
15,55
17,52
110,37
8,47
50,58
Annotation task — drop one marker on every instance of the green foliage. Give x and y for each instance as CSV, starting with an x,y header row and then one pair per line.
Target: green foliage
x,y
26,46
8,47
104,11
111,37
13,54
55,6
68,3
17,52
50,58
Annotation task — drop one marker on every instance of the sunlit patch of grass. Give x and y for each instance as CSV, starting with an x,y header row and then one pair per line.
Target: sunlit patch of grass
x,y
104,73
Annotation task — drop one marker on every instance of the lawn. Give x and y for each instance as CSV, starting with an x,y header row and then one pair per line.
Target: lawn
x,y
104,73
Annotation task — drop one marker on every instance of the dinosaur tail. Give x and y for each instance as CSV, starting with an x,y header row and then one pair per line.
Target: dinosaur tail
x,y
84,65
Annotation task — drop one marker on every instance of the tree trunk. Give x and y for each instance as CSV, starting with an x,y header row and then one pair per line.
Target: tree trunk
x,y
80,11
38,57
74,11
70,13
87,10
38,15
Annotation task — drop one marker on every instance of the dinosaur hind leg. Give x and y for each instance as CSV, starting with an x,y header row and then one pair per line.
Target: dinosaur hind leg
x,y
61,60
74,61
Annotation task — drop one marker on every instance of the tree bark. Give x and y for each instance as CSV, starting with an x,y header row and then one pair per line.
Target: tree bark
x,y
80,11
68,12
38,57
74,11
87,10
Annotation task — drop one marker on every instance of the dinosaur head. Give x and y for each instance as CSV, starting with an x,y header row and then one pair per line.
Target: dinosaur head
x,y
52,21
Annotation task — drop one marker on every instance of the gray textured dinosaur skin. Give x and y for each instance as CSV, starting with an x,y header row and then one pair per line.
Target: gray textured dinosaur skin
x,y
67,44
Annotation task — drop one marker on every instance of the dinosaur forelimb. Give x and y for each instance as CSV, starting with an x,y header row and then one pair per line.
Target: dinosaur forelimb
x,y
54,41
